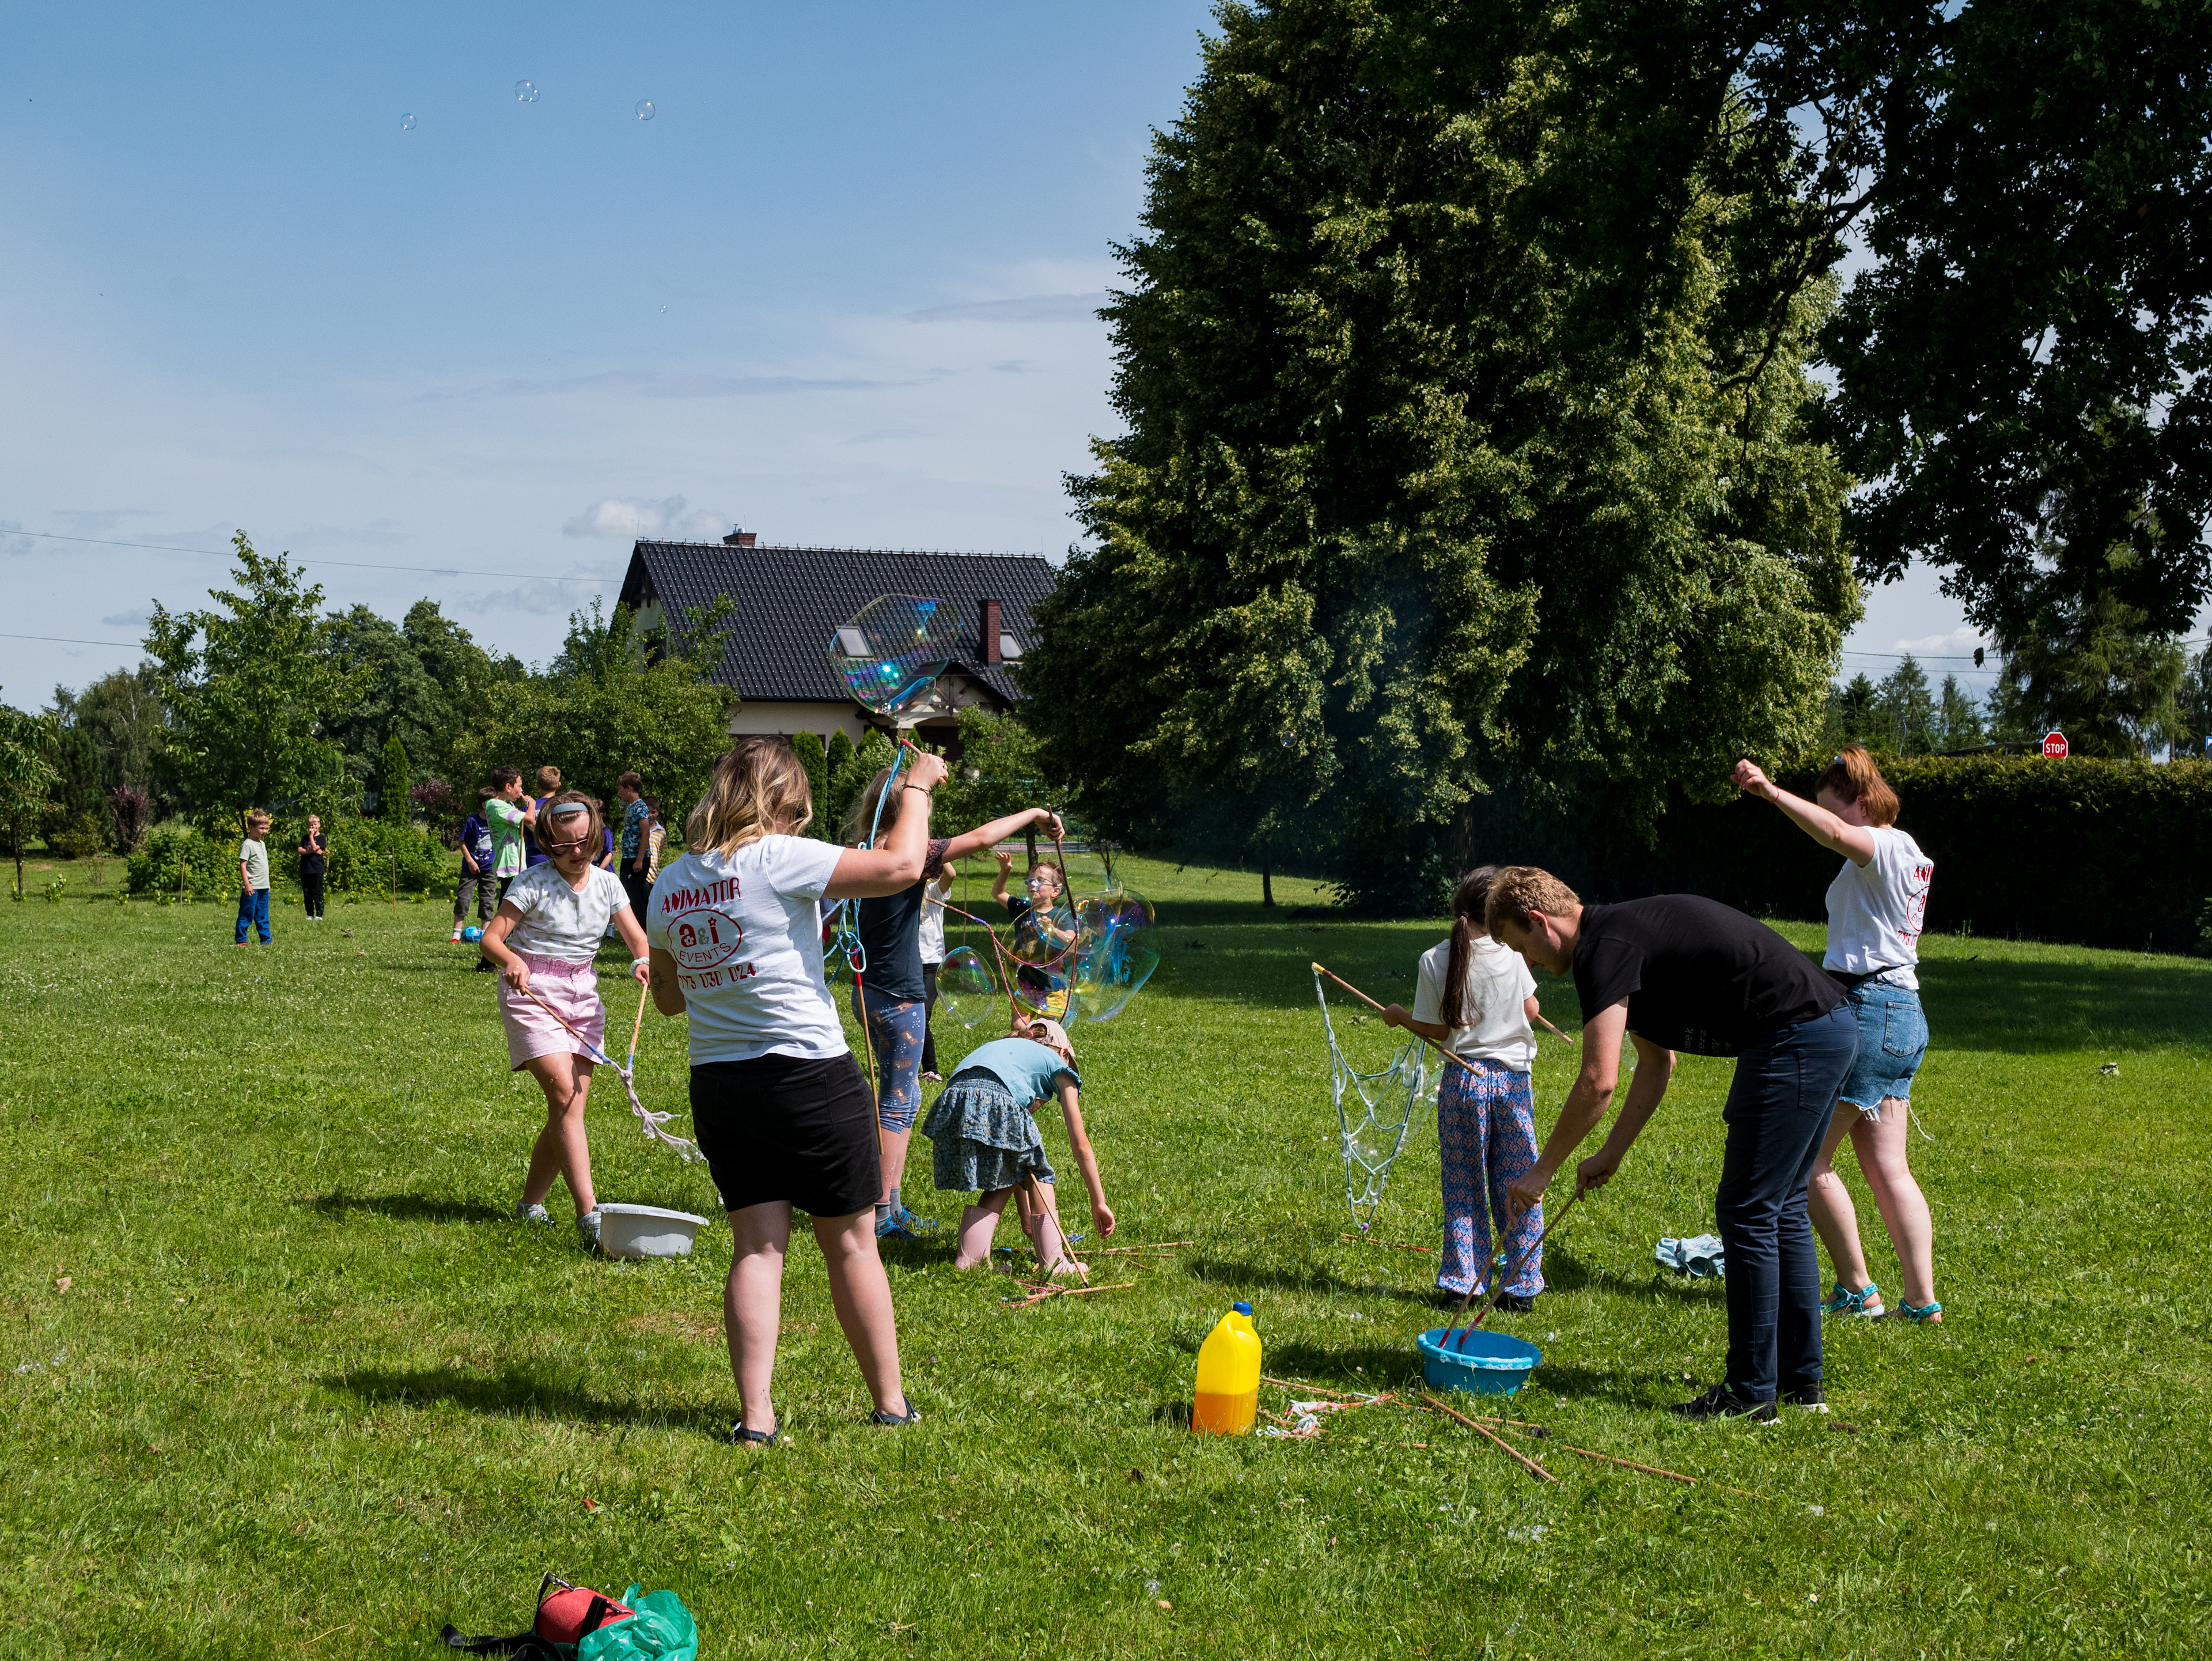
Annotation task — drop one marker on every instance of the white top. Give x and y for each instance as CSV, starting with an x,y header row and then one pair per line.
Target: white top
x,y
932,918
1877,910
560,921
745,931
1497,982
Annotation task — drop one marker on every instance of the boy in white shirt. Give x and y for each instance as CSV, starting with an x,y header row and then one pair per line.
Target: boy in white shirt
x,y
1478,999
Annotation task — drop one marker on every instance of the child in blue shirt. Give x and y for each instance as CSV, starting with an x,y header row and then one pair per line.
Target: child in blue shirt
x,y
984,1140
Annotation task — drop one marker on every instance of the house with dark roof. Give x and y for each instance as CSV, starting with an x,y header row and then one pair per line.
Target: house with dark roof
x,y
790,601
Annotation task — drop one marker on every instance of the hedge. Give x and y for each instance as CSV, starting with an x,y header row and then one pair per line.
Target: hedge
x,y
2081,851
362,854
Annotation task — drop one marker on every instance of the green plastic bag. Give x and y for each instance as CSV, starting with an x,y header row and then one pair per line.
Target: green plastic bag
x,y
661,1630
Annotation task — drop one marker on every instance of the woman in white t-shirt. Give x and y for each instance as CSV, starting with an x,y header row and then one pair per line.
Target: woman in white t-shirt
x,y
1478,999
1877,906
542,941
778,1105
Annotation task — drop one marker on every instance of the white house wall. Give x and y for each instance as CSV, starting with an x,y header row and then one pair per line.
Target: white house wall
x,y
792,719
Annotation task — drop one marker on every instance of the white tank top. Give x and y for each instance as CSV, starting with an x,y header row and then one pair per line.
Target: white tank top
x,y
1877,910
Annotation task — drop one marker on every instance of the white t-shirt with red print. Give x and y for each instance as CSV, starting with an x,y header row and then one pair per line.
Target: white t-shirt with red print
x,y
1877,910
745,930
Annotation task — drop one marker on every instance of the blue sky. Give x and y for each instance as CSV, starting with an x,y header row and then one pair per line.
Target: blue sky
x,y
838,288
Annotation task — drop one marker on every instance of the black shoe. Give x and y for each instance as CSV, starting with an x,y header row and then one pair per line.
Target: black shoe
x,y
910,1417
758,1439
1723,1402
1517,1303
1802,1395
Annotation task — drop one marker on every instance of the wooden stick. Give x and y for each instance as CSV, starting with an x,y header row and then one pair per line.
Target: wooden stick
x,y
1323,969
1495,1440
1499,1281
637,1025
1554,1030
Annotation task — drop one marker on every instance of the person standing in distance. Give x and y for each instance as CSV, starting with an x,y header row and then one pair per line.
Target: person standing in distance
x,y
636,816
1877,906
314,855
1679,972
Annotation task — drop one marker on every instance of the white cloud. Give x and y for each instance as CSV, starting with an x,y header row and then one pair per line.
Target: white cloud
x,y
536,598
626,519
1960,643
1030,309
128,619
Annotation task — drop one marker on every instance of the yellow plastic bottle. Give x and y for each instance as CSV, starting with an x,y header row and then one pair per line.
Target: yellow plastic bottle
x,y
1228,1375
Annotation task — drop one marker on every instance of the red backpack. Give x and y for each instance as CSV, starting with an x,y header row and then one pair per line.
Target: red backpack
x,y
565,1614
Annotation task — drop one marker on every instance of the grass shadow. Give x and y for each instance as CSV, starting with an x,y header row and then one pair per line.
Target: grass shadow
x,y
1216,1271
403,1208
513,1393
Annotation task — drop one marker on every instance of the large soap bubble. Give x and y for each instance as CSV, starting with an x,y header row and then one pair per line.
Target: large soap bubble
x,y
1038,991
966,989
893,651
1044,934
1115,952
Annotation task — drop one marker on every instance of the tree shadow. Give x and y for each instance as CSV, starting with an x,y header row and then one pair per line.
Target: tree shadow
x,y
1976,1003
403,1208
520,1393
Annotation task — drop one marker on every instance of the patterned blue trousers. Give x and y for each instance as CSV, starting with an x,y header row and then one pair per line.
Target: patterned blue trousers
x,y
1487,1130
895,1030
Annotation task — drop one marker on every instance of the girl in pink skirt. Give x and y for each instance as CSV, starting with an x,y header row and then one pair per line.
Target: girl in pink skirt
x,y
542,942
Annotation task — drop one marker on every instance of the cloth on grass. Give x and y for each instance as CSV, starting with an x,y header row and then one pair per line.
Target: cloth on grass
x,y
1700,1255
981,1137
659,1629
571,989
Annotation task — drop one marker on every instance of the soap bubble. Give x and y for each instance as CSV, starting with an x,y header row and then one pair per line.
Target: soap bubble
x,y
1044,934
525,92
892,650
966,990
407,123
1039,991
645,109
1115,952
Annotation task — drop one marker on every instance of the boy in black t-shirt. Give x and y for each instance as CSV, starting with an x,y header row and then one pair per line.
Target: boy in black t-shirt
x,y
1678,972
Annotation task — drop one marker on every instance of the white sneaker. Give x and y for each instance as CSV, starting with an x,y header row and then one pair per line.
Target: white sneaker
x,y
526,1213
588,1226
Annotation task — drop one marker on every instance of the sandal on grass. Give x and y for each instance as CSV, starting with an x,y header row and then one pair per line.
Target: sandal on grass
x,y
1868,1302
910,1417
1920,1314
757,1439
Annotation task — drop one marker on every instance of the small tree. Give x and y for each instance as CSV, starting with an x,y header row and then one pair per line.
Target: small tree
x,y
1907,708
1959,716
392,800
815,760
27,776
131,813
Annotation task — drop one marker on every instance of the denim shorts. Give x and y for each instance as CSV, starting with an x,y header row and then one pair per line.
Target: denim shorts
x,y
1892,1038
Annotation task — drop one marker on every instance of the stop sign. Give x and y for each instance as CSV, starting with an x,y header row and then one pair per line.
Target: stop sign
x,y
2054,746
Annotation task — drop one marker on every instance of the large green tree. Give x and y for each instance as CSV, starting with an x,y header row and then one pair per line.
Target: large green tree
x,y
2096,673
122,710
28,777
252,685
1466,446
431,678
607,705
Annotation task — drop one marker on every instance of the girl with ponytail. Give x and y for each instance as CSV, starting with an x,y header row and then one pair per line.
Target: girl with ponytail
x,y
1478,999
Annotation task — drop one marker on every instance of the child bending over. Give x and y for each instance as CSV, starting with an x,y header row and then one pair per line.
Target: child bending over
x,y
985,1140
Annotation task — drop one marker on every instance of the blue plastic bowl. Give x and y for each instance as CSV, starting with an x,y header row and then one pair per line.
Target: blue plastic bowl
x,y
1484,1363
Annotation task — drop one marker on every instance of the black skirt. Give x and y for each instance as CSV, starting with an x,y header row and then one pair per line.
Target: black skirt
x,y
780,1128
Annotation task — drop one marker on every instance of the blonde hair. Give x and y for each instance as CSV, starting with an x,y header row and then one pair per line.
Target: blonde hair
x,y
861,815
759,789
1518,889
1852,776
549,778
552,810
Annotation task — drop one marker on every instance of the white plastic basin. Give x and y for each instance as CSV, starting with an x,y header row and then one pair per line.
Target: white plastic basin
x,y
647,1230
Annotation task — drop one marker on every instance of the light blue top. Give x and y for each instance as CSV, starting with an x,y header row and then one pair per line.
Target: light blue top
x,y
1025,1067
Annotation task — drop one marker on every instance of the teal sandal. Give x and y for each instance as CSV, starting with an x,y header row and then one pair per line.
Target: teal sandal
x,y
1868,1302
1921,1314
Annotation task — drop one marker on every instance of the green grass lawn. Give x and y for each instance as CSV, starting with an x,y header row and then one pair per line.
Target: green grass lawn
x,y
281,1378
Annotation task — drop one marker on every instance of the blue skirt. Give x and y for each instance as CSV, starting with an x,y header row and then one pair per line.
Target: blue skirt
x,y
981,1138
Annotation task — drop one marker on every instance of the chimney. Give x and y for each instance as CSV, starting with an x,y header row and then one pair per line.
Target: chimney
x,y
990,632
738,538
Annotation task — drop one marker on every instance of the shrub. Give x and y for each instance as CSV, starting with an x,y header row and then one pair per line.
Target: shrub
x,y
364,852
132,814
207,868
815,760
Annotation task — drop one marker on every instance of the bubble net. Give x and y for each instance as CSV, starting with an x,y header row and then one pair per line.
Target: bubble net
x,y
1375,1119
890,653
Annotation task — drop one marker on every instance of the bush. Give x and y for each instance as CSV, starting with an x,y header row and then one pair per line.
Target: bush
x,y
80,838
363,853
815,760
208,869
2083,851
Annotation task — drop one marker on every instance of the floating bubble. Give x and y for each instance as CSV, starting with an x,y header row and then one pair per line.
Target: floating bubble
x,y
965,987
891,652
1038,991
1044,934
525,92
645,109
1115,952
407,123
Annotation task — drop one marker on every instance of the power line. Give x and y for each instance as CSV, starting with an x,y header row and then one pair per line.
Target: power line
x,y
71,640
315,559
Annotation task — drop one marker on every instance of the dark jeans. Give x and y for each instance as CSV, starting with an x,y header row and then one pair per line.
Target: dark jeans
x,y
477,886
253,909
639,887
311,893
1777,1111
928,1009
